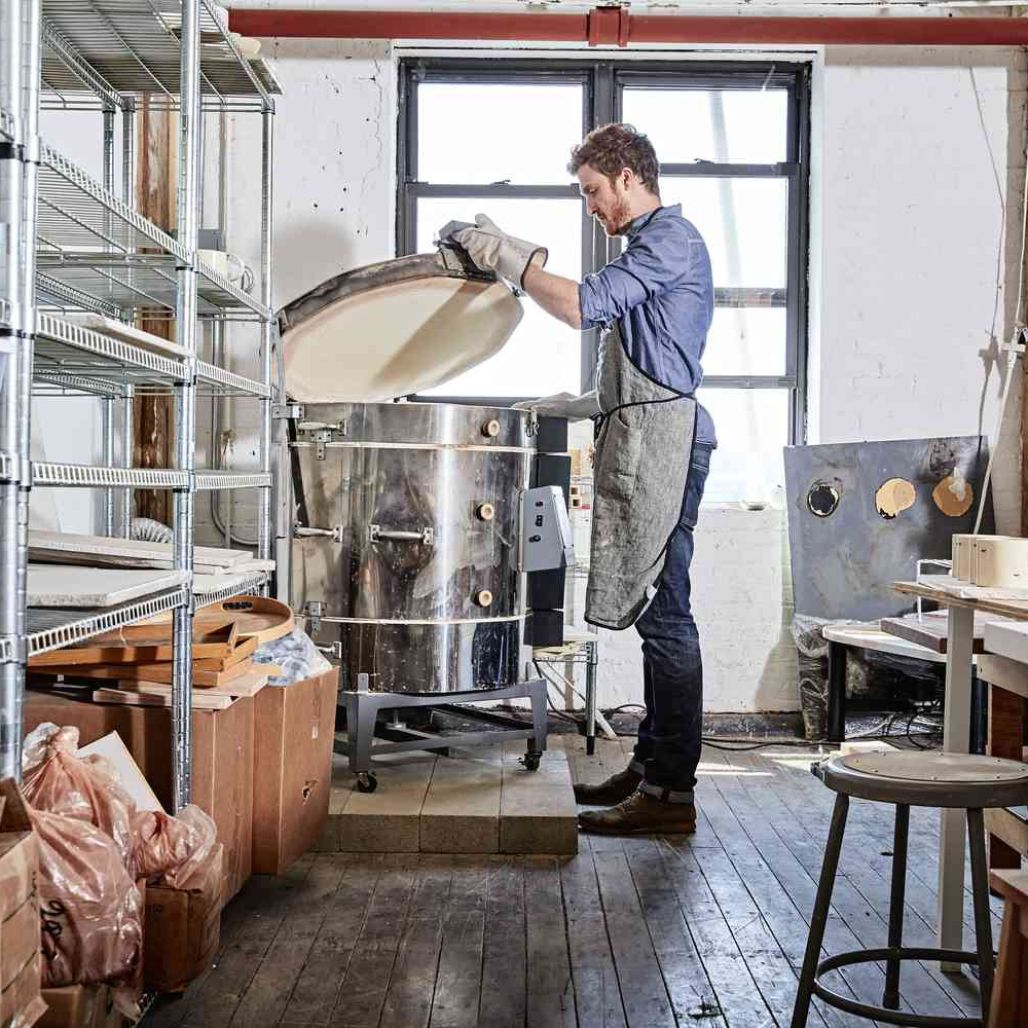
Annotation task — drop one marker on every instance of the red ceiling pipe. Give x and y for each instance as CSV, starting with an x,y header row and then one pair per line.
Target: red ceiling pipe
x,y
409,25
615,26
872,30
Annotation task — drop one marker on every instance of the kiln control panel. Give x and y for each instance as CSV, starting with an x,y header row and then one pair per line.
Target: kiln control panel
x,y
546,540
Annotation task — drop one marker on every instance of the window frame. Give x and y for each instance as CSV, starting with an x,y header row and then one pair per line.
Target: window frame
x,y
604,82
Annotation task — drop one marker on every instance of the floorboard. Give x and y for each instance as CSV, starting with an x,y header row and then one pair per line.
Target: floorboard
x,y
644,932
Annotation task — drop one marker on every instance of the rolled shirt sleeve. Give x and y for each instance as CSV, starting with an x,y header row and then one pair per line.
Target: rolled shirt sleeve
x,y
651,263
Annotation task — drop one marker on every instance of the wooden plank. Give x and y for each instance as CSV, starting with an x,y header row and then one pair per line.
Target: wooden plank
x,y
213,1001
504,957
597,990
363,990
1015,609
741,1003
130,698
154,415
643,993
1006,739
550,1001
268,993
318,985
688,986
1007,674
931,631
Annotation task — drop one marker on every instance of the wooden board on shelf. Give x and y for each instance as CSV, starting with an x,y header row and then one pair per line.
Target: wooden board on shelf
x,y
219,643
245,685
202,677
200,700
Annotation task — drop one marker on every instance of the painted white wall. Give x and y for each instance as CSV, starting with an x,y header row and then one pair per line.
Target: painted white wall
x,y
335,132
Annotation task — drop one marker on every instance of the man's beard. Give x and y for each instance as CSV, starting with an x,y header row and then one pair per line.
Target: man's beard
x,y
621,219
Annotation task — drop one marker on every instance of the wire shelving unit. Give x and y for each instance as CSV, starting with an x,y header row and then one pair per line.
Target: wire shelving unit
x,y
83,247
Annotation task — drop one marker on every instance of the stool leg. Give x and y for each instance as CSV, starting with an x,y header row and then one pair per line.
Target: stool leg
x,y
819,917
891,997
982,918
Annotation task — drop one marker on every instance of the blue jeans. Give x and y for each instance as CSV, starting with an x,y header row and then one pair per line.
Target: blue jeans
x,y
668,748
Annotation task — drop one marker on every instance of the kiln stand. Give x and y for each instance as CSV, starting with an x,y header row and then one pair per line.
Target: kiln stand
x,y
363,724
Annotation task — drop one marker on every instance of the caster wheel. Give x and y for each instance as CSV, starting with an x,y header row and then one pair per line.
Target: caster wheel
x,y
367,782
531,761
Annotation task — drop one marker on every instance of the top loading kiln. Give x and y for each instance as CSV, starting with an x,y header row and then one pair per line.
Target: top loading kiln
x,y
426,535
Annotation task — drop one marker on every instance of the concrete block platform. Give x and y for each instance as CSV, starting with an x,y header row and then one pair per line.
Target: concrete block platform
x,y
478,800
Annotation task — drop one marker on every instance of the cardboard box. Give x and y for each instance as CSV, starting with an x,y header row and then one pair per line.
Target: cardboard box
x,y
19,856
294,728
222,760
20,1003
80,1006
181,930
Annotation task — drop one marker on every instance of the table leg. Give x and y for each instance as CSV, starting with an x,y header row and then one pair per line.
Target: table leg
x,y
590,697
836,692
955,739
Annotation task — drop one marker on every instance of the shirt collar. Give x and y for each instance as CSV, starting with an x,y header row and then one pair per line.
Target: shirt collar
x,y
644,219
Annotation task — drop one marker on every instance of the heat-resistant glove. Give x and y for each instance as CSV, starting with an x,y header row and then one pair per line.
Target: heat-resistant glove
x,y
493,250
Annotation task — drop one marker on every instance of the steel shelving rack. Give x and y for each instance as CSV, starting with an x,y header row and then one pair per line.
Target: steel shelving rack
x,y
70,243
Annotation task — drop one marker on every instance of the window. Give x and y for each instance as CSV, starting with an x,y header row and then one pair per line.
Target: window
x,y
732,140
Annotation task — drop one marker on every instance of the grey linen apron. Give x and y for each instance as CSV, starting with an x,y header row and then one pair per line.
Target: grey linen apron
x,y
643,447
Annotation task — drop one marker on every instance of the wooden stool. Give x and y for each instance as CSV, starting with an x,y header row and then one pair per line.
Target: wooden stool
x,y
908,779
1010,989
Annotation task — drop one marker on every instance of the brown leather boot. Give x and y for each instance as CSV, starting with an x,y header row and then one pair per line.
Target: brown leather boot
x,y
640,814
615,789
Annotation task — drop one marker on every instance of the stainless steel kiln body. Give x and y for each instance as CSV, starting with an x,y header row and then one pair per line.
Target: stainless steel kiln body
x,y
413,576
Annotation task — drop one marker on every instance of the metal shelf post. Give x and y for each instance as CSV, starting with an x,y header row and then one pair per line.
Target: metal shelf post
x,y
185,407
264,533
12,570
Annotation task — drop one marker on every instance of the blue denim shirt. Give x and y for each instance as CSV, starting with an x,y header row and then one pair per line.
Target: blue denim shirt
x,y
661,292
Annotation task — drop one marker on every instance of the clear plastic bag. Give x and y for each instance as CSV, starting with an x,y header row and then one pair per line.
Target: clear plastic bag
x,y
91,909
59,782
295,654
812,659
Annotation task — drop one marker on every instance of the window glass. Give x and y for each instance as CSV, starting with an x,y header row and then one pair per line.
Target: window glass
x,y
543,356
752,426
746,341
744,222
487,132
738,126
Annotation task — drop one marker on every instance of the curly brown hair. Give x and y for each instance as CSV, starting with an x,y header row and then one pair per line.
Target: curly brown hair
x,y
610,148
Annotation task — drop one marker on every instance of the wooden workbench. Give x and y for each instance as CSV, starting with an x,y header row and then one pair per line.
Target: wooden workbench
x,y
962,604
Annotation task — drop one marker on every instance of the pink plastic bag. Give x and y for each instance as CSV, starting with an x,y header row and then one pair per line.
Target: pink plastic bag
x,y
90,907
168,850
57,781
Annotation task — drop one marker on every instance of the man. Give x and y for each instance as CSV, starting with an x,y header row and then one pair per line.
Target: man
x,y
653,446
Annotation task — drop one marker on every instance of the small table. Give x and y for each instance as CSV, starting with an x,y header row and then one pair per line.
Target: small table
x,y
845,635
580,647
962,603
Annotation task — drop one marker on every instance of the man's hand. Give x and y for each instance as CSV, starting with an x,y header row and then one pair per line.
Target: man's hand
x,y
493,250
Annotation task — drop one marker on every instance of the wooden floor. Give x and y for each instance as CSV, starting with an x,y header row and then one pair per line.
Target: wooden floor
x,y
706,930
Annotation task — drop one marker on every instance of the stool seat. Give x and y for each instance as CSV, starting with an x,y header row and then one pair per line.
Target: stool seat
x,y
927,778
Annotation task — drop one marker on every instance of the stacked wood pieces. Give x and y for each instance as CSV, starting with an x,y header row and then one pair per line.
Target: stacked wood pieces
x,y
133,664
